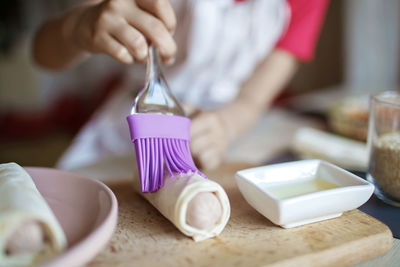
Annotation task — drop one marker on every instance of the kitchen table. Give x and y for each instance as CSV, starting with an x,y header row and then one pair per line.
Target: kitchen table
x,y
256,148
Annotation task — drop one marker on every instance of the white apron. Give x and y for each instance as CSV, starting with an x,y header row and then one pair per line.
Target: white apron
x,y
220,42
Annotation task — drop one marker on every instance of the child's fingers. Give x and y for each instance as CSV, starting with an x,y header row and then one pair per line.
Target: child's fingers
x,y
154,30
161,9
108,45
199,126
201,143
209,159
133,40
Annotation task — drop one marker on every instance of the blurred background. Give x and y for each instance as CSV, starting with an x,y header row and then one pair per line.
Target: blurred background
x,y
40,112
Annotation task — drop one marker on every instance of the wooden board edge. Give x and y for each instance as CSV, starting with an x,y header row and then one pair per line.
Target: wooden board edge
x,y
345,255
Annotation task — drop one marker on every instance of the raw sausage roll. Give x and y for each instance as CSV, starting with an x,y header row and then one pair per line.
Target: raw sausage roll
x,y
198,207
29,231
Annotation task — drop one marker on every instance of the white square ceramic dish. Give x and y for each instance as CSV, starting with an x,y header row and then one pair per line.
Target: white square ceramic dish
x,y
285,193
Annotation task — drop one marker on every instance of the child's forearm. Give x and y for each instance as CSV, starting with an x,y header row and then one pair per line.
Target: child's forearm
x,y
212,131
257,93
53,46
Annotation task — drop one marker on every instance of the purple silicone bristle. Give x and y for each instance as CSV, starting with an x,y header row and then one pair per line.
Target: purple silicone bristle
x,y
160,140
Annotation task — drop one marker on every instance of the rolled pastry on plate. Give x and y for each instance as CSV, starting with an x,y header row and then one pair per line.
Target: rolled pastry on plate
x,y
198,207
29,231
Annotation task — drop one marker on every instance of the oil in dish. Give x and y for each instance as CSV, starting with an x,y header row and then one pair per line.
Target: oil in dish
x,y
298,188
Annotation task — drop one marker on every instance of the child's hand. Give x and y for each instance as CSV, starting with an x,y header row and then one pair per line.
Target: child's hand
x,y
209,139
121,28
213,131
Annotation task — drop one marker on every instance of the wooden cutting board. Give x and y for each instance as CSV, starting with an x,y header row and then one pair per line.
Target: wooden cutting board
x,y
145,238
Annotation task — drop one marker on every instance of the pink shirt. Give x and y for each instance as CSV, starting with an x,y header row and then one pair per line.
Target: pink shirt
x,y
303,30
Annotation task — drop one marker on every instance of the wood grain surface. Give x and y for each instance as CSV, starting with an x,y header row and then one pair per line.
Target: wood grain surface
x,y
145,238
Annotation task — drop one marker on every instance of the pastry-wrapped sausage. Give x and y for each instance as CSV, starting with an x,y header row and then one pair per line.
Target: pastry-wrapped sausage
x,y
198,207
29,231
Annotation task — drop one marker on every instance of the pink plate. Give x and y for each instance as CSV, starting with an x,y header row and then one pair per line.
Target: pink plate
x,y
85,208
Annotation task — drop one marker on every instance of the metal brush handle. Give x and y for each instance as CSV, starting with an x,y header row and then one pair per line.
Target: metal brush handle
x,y
156,97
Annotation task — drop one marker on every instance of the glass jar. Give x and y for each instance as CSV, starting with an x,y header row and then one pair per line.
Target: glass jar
x,y
384,146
